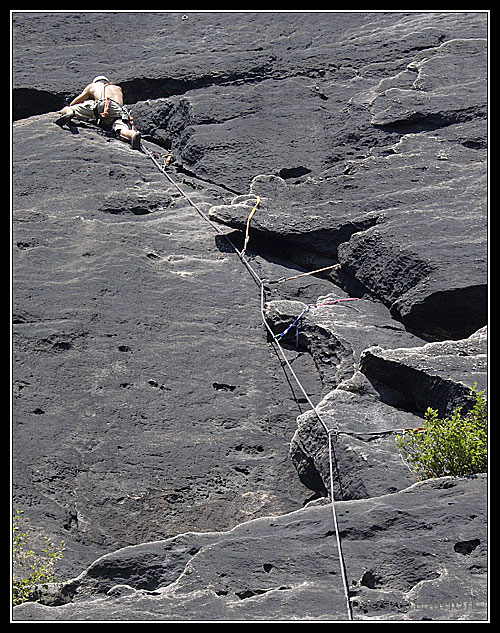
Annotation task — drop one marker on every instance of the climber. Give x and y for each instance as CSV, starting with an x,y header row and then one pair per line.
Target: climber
x,y
102,102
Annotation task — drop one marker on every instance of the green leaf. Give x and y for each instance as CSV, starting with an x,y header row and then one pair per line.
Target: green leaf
x,y
448,446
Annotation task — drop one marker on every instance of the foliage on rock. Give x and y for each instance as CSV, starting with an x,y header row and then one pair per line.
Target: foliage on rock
x,y
34,570
455,445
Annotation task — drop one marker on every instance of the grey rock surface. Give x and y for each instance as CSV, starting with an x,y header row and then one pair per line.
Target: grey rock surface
x,y
371,389
143,383
394,217
335,330
412,555
155,426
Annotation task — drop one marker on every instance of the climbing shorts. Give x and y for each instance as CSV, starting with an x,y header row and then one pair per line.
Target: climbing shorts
x,y
116,118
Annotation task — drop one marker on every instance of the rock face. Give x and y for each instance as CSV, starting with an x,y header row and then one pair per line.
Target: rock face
x,y
156,427
417,554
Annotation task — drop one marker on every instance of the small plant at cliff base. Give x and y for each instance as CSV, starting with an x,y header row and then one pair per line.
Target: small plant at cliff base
x,y
35,569
449,446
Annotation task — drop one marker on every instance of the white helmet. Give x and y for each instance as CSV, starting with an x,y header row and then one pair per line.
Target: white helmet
x,y
100,78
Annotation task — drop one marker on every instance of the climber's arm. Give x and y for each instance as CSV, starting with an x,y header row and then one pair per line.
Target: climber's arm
x,y
83,96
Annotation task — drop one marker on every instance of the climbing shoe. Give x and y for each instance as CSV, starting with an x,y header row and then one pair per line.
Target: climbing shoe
x,y
135,143
65,118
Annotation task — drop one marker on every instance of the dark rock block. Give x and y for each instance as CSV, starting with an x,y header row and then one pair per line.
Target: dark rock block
x,y
398,386
400,551
409,245
366,462
395,220
335,330
438,375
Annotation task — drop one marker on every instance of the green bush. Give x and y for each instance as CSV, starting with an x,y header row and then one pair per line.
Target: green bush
x,y
448,446
35,570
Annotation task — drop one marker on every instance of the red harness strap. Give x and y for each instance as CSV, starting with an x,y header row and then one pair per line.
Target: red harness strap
x,y
105,112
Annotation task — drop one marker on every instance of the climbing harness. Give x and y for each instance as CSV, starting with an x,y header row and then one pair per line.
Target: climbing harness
x,y
98,115
105,112
102,107
276,340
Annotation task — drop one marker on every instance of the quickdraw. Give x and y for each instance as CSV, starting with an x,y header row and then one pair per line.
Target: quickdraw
x,y
166,158
312,272
247,235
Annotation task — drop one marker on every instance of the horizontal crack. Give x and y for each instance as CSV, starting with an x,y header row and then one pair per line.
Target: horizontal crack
x,y
418,122
27,102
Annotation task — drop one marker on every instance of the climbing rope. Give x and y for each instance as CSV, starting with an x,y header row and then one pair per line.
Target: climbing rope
x,y
163,170
337,533
276,340
306,309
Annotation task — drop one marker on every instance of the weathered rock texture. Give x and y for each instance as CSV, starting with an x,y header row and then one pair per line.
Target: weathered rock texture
x,y
417,554
155,427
